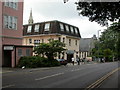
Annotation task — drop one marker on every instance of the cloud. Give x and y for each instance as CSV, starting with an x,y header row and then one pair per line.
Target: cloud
x,y
47,10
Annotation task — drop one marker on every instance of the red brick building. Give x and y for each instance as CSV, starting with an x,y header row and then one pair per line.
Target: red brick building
x,y
11,20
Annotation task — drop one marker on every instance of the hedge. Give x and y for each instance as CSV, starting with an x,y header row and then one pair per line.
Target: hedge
x,y
36,61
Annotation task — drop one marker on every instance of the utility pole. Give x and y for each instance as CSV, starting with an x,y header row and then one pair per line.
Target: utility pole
x,y
98,45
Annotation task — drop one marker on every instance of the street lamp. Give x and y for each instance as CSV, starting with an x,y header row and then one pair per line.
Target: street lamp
x,y
98,45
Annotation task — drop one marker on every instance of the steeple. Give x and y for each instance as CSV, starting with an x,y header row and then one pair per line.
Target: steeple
x,y
30,21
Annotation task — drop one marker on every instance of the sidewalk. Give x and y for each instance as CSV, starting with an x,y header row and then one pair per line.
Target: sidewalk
x,y
8,70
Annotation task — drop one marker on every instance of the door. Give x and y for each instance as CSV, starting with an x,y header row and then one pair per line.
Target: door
x,y
7,58
69,57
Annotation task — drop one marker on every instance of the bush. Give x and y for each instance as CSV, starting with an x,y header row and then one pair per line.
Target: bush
x,y
36,61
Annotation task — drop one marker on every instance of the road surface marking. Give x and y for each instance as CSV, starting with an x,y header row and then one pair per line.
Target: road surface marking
x,y
50,76
7,86
77,69
99,81
6,71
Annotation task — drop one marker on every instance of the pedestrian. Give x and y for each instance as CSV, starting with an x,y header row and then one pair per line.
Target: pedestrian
x,y
73,60
78,60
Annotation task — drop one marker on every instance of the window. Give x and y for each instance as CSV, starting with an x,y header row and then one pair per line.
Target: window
x,y
14,24
36,41
76,31
28,52
72,30
63,40
19,52
42,40
69,42
5,21
30,41
67,28
76,42
61,27
29,29
36,28
10,22
11,3
47,27
59,39
59,55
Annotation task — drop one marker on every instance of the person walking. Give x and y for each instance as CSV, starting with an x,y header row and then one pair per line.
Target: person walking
x,y
73,60
78,60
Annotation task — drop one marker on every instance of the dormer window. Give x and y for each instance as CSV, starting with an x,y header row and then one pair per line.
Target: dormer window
x,y
29,29
61,27
47,27
76,31
72,30
67,28
37,28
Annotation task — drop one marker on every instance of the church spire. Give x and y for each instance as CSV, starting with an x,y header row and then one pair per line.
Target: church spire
x,y
30,21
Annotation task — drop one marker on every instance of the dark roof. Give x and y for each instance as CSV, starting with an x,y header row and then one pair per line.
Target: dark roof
x,y
86,44
54,29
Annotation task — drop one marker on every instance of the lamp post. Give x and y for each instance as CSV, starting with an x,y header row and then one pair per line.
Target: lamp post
x,y
98,45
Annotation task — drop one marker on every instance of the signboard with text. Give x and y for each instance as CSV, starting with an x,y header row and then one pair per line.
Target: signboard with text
x,y
8,47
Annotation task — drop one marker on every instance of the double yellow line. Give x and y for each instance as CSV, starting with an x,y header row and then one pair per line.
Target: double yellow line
x,y
97,83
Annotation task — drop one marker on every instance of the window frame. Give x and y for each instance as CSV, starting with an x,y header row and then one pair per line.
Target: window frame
x,y
19,52
47,27
67,28
10,22
30,41
76,42
72,29
69,42
28,52
29,29
76,30
61,26
11,3
36,28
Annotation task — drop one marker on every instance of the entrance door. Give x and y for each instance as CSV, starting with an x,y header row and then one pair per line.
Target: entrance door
x,y
69,57
7,58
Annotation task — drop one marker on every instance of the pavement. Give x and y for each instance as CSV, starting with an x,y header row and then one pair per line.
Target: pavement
x,y
8,70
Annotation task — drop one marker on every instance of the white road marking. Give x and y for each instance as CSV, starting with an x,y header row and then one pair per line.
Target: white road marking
x,y
6,71
50,76
76,70
7,86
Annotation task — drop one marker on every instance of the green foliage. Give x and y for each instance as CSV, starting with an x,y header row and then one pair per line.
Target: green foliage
x,y
101,12
108,42
36,61
50,49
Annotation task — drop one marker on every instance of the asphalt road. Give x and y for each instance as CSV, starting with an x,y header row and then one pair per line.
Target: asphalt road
x,y
78,76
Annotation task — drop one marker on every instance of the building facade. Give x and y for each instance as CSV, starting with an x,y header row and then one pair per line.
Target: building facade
x,y
12,20
86,45
41,32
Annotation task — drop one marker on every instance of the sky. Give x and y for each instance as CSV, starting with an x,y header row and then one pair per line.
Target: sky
x,y
48,10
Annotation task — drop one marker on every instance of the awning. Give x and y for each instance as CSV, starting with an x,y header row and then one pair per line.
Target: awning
x,y
70,51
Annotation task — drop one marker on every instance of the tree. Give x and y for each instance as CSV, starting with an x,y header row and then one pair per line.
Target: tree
x,y
107,54
100,12
50,49
108,40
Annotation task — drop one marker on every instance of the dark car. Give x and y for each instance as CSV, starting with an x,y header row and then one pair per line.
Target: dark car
x,y
62,61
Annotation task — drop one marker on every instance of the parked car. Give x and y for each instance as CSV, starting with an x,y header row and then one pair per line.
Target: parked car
x,y
62,61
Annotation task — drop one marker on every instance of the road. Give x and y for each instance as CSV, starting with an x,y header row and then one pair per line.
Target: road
x,y
78,76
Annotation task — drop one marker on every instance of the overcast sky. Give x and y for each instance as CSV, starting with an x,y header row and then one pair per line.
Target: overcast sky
x,y
47,10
